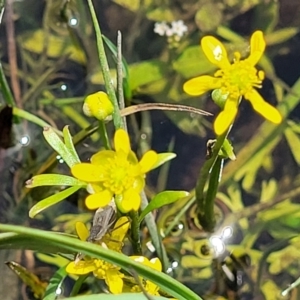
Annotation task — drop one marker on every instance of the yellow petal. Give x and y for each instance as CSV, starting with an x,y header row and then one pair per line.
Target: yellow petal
x,y
215,51
102,157
132,158
121,140
120,229
148,160
100,199
87,172
80,268
226,117
82,231
257,47
156,264
141,259
98,105
264,108
129,200
138,184
114,281
151,288
200,85
94,188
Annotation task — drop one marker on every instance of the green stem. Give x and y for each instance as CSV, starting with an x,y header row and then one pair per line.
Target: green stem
x,y
77,285
8,97
34,119
178,215
207,215
155,235
204,176
104,136
105,69
135,233
120,77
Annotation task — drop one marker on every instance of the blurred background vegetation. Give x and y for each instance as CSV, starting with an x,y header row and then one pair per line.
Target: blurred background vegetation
x,y
49,55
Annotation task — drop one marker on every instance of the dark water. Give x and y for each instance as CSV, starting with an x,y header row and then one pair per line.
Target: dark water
x,y
70,77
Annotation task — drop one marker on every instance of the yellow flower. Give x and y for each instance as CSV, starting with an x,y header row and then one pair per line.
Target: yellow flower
x,y
149,286
234,80
116,174
100,268
98,105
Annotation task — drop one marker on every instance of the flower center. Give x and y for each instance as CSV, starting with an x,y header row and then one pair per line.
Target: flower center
x,y
119,175
240,77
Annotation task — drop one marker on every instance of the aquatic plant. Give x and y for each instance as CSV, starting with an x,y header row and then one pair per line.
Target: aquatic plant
x,y
116,228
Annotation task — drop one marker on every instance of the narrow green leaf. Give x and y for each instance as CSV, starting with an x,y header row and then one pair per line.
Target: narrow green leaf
x,y
69,143
127,296
53,199
294,126
10,241
49,239
281,35
32,118
164,157
117,119
53,179
161,199
54,259
294,143
31,280
113,48
56,143
55,283
126,85
227,150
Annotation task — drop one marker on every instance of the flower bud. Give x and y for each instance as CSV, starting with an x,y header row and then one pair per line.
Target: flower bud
x,y
98,105
219,98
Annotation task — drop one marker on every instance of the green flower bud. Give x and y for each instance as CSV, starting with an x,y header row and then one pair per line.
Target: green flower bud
x,y
219,98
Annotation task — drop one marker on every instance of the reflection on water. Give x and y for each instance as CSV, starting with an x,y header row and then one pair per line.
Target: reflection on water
x,y
254,249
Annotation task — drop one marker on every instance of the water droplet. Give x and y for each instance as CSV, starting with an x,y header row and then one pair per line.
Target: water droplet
x,y
73,22
25,140
58,291
63,87
59,158
227,232
217,244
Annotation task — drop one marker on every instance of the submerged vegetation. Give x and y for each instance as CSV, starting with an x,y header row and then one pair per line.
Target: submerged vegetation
x,y
131,166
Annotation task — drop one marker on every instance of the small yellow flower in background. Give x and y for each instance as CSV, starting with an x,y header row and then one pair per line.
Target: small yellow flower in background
x,y
100,268
98,105
116,174
149,287
235,80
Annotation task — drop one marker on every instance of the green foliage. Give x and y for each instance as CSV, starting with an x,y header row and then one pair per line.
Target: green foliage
x,y
164,281
65,150
52,200
259,186
55,284
161,199
163,158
